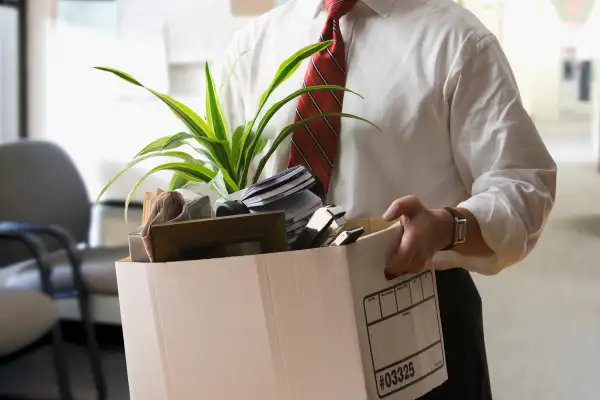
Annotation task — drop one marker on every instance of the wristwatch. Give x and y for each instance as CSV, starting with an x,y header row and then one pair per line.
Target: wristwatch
x,y
460,228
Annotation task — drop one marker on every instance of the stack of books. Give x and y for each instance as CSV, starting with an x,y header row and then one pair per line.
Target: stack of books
x,y
288,191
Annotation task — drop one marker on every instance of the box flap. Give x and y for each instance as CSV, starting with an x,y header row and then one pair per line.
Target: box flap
x,y
371,225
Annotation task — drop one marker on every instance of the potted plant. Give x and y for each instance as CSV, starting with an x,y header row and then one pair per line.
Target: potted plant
x,y
222,156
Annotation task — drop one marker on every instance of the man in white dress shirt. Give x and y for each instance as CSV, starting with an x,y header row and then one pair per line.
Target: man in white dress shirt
x,y
457,157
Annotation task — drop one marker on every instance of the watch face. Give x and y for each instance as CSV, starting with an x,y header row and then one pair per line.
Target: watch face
x,y
460,230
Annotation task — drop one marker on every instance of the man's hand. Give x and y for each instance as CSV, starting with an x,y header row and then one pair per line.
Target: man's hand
x,y
425,233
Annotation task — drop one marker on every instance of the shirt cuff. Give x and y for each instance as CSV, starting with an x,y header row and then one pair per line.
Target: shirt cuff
x,y
502,230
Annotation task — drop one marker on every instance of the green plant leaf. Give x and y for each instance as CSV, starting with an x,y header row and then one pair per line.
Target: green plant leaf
x,y
232,70
191,171
252,149
277,106
192,120
218,185
245,158
286,69
160,144
288,130
260,145
205,153
213,148
236,150
172,154
123,75
231,184
204,126
214,113
289,66
180,137
204,141
178,181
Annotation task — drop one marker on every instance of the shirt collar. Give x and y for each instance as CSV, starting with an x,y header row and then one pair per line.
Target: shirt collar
x,y
381,7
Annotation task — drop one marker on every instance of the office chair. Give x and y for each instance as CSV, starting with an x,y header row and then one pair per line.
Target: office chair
x,y
27,316
44,195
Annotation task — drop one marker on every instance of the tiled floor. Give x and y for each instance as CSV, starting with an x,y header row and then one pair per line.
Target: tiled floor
x,y
542,317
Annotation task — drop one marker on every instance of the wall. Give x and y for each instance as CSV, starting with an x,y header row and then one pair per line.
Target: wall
x,y
552,35
100,120
103,122
533,35
9,78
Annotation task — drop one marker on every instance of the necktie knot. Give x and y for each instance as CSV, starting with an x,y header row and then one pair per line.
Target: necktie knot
x,y
338,8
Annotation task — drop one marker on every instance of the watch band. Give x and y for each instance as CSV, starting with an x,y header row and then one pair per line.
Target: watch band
x,y
459,232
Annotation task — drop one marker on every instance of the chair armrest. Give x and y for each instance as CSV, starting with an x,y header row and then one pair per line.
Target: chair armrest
x,y
38,251
64,238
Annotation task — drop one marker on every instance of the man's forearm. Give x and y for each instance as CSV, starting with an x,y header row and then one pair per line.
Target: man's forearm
x,y
474,245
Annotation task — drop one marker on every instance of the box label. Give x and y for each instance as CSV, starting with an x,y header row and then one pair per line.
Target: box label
x,y
407,311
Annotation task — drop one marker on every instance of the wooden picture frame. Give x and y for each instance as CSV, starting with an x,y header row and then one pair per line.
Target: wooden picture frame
x,y
237,235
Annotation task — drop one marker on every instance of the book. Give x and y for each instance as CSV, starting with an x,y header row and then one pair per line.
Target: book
x,y
288,191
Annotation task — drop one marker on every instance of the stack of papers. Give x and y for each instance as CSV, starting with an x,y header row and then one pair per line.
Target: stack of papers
x,y
288,191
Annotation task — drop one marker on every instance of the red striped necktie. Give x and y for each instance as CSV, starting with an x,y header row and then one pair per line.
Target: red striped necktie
x,y
315,145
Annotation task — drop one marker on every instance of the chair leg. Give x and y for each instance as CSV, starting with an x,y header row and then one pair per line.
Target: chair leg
x,y
92,346
62,376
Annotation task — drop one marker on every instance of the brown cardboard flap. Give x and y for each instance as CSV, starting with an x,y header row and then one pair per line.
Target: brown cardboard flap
x,y
371,225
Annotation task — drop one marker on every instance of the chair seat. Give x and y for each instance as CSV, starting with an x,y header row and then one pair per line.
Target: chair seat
x,y
25,316
97,268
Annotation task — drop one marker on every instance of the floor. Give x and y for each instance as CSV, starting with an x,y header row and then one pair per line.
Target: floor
x,y
542,316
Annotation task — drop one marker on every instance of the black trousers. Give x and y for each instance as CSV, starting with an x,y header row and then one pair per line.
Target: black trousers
x,y
462,326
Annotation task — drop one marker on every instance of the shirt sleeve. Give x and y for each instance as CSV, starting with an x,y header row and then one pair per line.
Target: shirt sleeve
x,y
500,158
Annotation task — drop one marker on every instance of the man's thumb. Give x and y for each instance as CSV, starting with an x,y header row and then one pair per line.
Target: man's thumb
x,y
408,206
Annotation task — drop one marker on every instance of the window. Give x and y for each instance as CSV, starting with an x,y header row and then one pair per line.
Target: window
x,y
10,66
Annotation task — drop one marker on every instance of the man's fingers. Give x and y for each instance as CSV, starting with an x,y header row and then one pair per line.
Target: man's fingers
x,y
409,206
401,260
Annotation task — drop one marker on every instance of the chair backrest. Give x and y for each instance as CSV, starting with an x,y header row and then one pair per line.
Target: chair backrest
x,y
39,183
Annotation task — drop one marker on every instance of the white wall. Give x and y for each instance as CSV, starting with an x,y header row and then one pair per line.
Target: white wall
x,y
102,122
518,42
552,34
532,35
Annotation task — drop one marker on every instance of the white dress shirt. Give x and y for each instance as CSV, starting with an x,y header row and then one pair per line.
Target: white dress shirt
x,y
436,82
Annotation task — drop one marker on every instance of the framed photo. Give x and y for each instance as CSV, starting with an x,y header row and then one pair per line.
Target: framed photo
x,y
239,235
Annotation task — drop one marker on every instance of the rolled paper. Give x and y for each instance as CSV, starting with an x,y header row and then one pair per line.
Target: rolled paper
x,y
169,206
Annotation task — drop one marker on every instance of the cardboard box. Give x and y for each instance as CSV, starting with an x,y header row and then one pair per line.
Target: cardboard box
x,y
314,324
